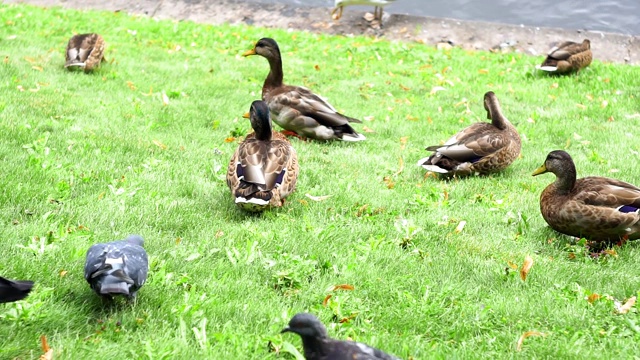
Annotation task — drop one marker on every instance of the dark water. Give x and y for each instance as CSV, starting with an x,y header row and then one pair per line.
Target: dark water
x,y
619,16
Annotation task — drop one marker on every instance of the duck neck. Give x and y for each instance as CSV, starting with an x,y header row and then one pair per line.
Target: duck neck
x,y
263,130
566,180
495,114
274,79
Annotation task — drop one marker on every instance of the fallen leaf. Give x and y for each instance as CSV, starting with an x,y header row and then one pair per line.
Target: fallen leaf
x,y
367,130
37,68
131,85
229,139
526,267
165,99
316,67
63,273
627,306
400,168
526,335
460,226
483,71
592,298
604,103
326,300
341,287
581,106
318,198
369,16
48,352
389,182
404,87
611,119
512,265
159,144
435,89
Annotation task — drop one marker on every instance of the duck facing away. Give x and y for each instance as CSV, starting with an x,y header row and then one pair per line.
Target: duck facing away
x,y
296,108
264,168
117,268
14,290
595,208
319,346
84,51
377,11
567,57
481,148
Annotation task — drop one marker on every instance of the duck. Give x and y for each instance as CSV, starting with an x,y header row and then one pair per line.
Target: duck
x,y
568,57
264,168
317,344
339,5
296,108
14,290
481,148
599,209
84,51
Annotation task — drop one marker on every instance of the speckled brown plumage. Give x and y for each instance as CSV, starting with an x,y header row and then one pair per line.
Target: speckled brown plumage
x,y
264,168
595,208
567,57
85,51
296,108
481,148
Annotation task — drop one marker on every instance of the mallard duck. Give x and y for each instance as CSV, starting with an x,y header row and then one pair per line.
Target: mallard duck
x,y
84,51
377,11
595,208
264,168
296,108
318,345
567,57
480,148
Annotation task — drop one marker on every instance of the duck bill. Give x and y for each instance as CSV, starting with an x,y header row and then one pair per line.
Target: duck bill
x,y
249,52
246,115
541,170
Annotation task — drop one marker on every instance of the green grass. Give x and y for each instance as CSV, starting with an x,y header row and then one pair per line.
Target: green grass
x,y
93,157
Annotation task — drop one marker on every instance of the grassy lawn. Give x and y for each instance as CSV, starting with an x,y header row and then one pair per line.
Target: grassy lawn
x,y
141,146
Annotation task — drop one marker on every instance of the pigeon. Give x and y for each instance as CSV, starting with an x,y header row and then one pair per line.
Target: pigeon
x,y
14,290
319,346
117,268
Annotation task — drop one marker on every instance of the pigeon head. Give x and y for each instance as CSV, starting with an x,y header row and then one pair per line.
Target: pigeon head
x,y
135,239
306,325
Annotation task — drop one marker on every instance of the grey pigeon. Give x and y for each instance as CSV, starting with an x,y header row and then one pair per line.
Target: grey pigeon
x,y
117,268
14,290
319,346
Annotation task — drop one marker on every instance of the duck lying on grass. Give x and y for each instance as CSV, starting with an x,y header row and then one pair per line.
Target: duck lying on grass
x,y
84,51
264,168
567,57
595,208
319,346
296,108
481,148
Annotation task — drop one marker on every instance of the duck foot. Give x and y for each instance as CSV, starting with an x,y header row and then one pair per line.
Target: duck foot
x,y
292,134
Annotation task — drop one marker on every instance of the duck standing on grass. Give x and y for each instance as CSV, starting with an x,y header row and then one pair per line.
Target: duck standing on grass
x,y
319,346
595,208
481,148
567,57
117,268
264,168
336,13
84,51
14,290
296,108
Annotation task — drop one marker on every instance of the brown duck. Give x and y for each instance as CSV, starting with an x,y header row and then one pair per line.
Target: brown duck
x,y
296,108
481,148
567,57
595,208
264,168
84,51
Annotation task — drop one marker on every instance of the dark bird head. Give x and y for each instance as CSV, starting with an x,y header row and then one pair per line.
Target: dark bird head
x,y
586,43
135,240
266,47
260,120
558,162
307,326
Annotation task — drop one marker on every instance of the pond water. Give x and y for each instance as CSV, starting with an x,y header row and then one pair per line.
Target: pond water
x,y
619,16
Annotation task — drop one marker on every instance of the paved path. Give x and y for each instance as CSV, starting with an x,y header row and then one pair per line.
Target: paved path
x,y
467,34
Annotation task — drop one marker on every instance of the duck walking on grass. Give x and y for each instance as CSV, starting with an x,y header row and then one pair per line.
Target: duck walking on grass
x,y
595,208
377,11
117,268
319,346
14,290
481,148
84,51
567,57
264,168
296,108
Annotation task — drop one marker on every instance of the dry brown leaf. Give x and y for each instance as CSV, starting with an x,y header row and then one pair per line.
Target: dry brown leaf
x,y
627,305
37,68
389,182
483,71
229,139
159,144
460,226
404,87
341,287
6,59
403,142
581,106
316,67
526,267
367,129
318,198
611,119
592,298
326,300
512,265
435,89
131,85
400,167
63,273
526,335
165,99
